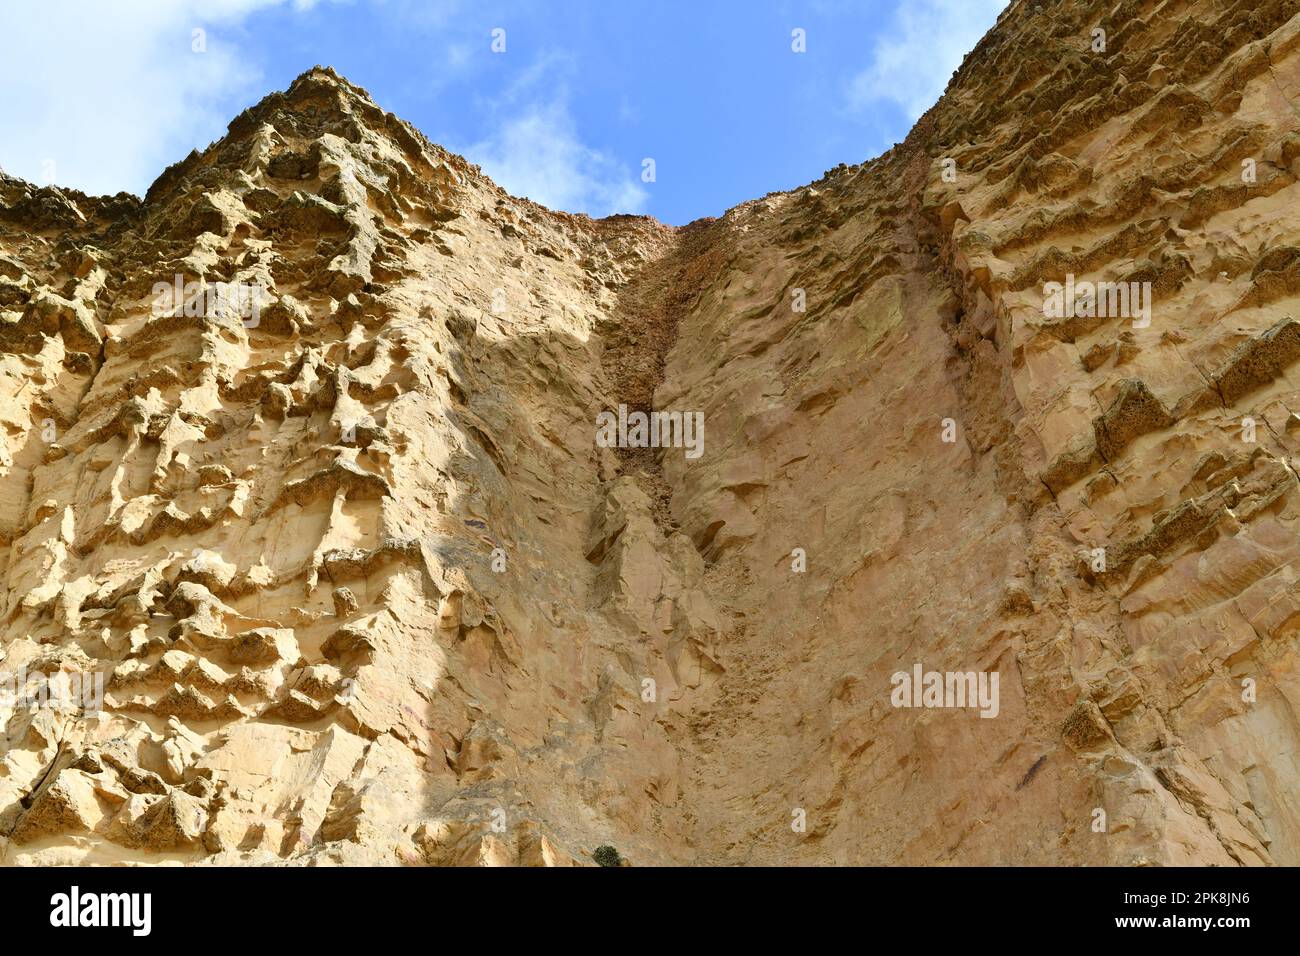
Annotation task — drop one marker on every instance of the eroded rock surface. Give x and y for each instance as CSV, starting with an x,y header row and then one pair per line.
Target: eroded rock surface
x,y
363,588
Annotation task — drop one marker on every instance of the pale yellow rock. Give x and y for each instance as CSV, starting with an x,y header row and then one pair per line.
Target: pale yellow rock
x,y
363,588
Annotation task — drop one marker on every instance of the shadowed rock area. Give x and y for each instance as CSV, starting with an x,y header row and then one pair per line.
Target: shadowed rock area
x,y
363,588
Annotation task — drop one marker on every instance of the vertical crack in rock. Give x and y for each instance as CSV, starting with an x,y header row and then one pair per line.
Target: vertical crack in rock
x,y
640,336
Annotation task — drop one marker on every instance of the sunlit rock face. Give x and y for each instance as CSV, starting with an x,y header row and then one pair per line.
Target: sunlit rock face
x,y
329,536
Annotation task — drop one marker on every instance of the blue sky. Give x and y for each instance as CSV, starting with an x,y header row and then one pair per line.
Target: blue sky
x,y
103,96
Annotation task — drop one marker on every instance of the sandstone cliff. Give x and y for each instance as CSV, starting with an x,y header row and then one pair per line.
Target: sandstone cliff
x,y
363,587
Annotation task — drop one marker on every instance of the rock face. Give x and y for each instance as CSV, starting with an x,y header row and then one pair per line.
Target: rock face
x,y
362,586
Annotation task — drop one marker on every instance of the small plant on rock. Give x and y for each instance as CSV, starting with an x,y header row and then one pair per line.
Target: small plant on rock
x,y
607,856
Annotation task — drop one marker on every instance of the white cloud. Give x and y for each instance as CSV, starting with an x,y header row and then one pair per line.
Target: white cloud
x,y
113,93
103,96
916,55
535,151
